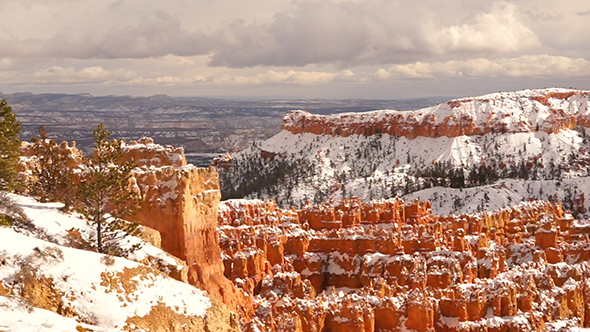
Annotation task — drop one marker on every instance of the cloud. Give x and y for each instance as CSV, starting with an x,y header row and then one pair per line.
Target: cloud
x,y
530,67
523,66
98,75
284,77
95,74
374,32
497,31
156,34
344,33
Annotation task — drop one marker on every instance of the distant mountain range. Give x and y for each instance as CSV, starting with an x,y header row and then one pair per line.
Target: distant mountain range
x,y
205,127
478,153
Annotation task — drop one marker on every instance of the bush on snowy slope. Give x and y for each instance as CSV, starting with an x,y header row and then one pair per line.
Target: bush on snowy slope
x,y
100,185
46,221
10,212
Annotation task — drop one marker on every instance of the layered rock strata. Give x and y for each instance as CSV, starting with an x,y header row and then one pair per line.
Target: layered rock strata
x,y
549,110
181,202
394,266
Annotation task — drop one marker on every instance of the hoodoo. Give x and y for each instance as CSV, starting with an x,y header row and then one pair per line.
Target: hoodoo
x,y
394,266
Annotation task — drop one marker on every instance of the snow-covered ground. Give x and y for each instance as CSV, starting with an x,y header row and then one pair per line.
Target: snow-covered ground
x,y
503,193
88,289
379,167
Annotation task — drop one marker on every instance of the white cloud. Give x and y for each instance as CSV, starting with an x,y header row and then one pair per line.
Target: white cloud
x,y
346,33
531,66
523,66
156,34
130,46
498,31
96,74
285,77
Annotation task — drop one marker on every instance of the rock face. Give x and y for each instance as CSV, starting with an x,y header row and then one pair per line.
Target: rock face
x,y
514,137
394,266
181,202
551,110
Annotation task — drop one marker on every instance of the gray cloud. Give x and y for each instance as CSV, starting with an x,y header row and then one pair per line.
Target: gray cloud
x,y
321,32
130,46
351,33
522,66
156,34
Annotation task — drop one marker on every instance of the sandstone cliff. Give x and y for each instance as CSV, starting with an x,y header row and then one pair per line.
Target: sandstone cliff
x,y
502,145
549,110
48,284
181,202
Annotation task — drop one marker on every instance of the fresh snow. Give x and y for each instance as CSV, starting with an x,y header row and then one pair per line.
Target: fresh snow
x,y
18,316
83,277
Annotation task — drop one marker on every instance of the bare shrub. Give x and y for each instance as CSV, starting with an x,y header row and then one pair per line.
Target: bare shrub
x,y
107,260
10,212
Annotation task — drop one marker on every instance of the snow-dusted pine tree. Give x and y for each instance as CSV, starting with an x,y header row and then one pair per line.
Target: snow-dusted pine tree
x,y
105,192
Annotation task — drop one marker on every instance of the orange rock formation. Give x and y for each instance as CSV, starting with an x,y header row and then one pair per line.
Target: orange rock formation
x,y
448,120
393,266
181,202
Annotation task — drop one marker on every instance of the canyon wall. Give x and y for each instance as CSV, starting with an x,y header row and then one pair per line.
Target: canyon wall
x,y
554,110
393,266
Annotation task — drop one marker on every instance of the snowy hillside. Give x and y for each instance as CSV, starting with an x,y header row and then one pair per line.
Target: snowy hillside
x,y
47,285
529,135
505,193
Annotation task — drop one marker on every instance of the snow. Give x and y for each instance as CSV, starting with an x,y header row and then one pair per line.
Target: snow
x,y
54,225
18,316
80,275
90,283
501,194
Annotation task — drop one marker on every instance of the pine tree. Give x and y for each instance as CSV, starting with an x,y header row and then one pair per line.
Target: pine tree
x,y
105,193
53,173
9,144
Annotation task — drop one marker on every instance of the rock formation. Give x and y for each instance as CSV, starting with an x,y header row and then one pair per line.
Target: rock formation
x,y
348,265
180,202
557,109
51,280
394,266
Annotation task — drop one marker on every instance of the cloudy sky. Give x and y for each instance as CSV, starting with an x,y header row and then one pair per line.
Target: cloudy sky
x,y
302,48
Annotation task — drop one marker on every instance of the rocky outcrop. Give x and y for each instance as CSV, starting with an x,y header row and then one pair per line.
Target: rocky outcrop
x,y
180,202
549,110
393,266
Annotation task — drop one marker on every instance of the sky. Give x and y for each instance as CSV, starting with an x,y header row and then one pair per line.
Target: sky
x,y
385,49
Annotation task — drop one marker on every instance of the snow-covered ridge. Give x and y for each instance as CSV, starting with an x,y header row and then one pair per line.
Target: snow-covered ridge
x,y
549,110
330,157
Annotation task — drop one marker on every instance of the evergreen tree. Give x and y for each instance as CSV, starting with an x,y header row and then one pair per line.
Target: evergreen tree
x,y
105,193
53,173
9,144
